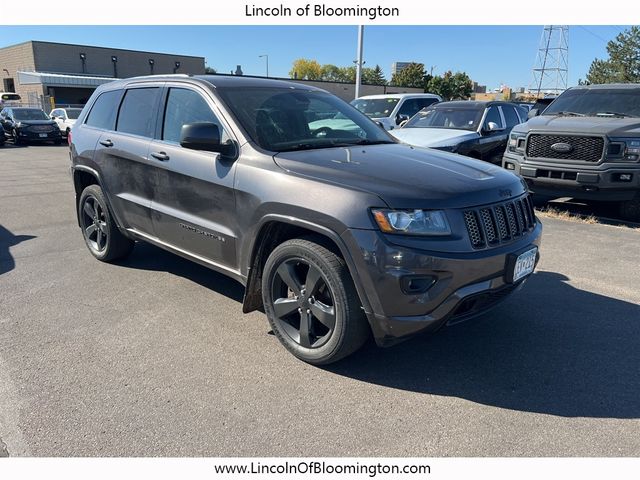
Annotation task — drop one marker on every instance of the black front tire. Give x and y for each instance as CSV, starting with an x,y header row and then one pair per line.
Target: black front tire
x,y
630,210
319,270
15,137
101,234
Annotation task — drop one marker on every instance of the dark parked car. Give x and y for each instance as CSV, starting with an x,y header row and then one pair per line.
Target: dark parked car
x,y
336,233
585,145
23,124
475,129
540,106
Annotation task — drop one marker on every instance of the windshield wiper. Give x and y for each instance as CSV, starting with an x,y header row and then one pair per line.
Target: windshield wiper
x,y
362,142
569,114
614,114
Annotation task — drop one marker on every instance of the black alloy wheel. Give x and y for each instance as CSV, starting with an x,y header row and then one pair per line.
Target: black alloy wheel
x,y
94,224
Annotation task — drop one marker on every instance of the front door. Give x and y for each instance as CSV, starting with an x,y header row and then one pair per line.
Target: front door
x,y
193,204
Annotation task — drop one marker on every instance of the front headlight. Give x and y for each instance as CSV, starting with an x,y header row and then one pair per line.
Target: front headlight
x,y
624,149
412,222
516,142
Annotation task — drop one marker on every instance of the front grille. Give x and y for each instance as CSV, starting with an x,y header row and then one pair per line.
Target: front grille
x,y
41,128
500,223
583,149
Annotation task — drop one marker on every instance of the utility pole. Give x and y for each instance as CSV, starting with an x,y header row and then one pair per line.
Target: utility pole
x,y
359,61
266,56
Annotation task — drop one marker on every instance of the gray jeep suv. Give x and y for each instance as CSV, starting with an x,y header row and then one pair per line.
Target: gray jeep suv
x,y
585,145
335,233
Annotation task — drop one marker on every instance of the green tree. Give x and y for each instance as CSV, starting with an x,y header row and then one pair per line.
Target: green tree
x,y
347,74
330,73
306,69
209,70
451,86
373,76
413,75
623,64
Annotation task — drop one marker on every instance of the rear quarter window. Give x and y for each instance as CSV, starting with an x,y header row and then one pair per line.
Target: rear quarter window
x,y
103,111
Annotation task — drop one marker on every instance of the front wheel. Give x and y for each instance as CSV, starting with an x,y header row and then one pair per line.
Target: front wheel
x,y
630,210
104,240
15,137
311,302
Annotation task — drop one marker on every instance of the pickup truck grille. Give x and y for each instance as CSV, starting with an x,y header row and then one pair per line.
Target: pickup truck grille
x,y
501,223
583,149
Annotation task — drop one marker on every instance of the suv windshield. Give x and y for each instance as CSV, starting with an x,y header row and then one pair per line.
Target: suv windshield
x,y
283,119
446,117
73,113
375,107
601,101
29,114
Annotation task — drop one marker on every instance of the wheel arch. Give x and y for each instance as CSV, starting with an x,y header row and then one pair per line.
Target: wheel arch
x,y
275,229
84,176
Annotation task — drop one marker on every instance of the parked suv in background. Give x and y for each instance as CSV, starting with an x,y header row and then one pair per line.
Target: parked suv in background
x,y
474,129
23,125
65,118
390,110
585,145
335,233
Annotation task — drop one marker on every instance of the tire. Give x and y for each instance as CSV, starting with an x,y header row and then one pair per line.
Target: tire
x,y
14,136
57,142
630,209
329,337
101,235
540,201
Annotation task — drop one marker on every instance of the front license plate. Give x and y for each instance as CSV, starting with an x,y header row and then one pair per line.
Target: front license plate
x,y
524,264
43,135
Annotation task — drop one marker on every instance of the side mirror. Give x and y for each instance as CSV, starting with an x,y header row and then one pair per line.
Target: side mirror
x,y
205,136
54,117
401,118
534,112
403,123
492,127
380,124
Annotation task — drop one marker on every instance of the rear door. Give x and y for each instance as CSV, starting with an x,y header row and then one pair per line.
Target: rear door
x,y
194,203
493,143
122,154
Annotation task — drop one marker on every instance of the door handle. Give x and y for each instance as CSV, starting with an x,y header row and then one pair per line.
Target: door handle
x,y
106,143
163,157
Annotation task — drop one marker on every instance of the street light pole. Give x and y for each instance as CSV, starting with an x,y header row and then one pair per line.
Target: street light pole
x,y
359,61
267,59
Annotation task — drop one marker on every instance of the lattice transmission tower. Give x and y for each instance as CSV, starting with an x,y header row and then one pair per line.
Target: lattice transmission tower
x,y
551,68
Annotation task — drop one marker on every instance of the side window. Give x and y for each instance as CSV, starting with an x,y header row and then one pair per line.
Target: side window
x,y
510,116
103,112
410,107
425,102
136,114
186,106
493,116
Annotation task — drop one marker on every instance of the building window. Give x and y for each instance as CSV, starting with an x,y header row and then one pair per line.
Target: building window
x,y
8,85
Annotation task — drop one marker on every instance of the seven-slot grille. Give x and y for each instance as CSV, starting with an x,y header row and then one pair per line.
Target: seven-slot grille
x,y
500,223
583,149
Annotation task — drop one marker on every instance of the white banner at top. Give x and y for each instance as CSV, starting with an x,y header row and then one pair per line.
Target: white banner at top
x,y
304,12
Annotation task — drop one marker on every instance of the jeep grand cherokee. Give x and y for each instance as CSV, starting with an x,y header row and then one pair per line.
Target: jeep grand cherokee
x,y
336,233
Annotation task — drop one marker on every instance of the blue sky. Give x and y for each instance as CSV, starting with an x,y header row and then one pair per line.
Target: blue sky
x,y
491,55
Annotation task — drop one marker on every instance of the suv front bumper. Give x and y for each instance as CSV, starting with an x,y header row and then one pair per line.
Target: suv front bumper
x,y
606,181
464,284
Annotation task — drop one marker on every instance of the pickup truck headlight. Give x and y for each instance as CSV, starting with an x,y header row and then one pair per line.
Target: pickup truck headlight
x,y
516,142
412,222
624,149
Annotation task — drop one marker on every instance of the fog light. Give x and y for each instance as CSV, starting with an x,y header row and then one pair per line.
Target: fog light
x,y
416,284
509,166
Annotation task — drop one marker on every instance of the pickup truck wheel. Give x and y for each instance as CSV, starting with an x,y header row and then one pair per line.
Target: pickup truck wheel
x,y
311,302
630,210
104,240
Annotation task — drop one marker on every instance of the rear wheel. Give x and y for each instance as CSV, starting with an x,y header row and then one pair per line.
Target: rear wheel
x,y
104,240
15,137
311,302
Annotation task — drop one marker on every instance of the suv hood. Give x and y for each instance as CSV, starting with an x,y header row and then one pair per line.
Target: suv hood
x,y
433,137
406,177
612,126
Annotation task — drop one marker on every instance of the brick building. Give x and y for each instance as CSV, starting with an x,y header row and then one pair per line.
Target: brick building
x,y
69,73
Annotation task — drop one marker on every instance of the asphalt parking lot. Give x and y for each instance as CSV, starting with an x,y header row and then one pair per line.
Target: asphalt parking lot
x,y
152,356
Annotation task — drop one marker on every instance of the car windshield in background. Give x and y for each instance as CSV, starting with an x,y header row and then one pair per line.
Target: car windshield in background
x,y
29,114
73,113
443,117
10,97
597,102
376,107
282,119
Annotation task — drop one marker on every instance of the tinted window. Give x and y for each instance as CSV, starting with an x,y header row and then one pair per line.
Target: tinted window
x,y
73,113
56,113
493,116
597,101
103,112
185,106
510,115
136,114
413,105
443,116
29,114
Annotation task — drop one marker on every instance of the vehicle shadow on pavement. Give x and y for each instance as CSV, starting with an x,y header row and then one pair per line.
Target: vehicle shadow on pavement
x,y
149,257
551,348
7,240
